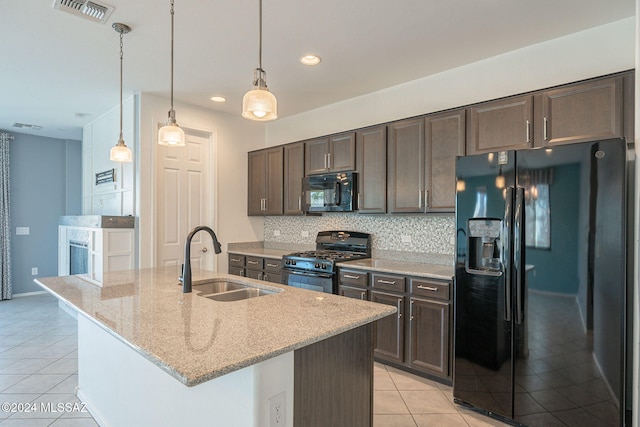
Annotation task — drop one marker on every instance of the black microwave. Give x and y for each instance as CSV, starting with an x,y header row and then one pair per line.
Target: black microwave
x,y
333,192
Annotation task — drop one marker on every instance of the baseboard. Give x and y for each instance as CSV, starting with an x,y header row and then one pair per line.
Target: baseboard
x,y
28,294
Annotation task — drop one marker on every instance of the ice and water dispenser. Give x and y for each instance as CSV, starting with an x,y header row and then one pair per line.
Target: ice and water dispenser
x,y
484,246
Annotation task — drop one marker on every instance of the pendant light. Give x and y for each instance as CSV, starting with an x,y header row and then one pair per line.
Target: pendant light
x,y
171,133
259,103
120,153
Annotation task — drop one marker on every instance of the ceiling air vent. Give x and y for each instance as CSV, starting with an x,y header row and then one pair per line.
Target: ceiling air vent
x,y
85,9
26,126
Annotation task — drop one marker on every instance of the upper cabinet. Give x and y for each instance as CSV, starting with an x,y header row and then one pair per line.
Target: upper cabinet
x,y
293,174
445,140
505,124
405,182
265,181
371,155
336,153
581,112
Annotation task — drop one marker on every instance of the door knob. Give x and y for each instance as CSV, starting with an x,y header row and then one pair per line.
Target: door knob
x,y
204,249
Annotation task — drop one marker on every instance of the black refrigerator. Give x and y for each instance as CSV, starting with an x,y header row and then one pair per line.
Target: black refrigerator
x,y
541,284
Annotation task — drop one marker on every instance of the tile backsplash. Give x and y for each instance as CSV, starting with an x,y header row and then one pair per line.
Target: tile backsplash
x,y
426,234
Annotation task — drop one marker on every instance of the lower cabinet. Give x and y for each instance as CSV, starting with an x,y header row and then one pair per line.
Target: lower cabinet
x,y
419,336
267,269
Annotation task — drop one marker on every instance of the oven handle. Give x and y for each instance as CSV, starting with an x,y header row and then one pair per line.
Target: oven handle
x,y
308,273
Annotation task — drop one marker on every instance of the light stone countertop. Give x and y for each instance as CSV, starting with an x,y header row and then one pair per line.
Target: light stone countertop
x,y
434,271
261,252
196,339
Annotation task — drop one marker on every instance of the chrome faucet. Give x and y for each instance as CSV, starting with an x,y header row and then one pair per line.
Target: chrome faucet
x,y
186,267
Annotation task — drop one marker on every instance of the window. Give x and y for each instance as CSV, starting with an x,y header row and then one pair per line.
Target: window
x,y
538,216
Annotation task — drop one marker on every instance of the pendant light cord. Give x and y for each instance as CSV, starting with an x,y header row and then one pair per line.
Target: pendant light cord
x,y
121,44
172,13
260,38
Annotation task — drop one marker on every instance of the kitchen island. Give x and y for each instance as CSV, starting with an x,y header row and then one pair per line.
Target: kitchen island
x,y
150,355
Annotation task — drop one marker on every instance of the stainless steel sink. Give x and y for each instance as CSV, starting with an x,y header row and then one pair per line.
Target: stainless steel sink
x,y
230,291
239,294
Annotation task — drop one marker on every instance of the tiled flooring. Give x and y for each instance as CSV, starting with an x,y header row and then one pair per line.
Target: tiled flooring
x,y
39,365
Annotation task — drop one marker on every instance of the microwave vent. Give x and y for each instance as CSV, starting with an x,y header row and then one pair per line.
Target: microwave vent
x,y
85,9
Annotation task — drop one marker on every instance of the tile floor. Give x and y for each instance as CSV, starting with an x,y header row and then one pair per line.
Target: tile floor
x,y
39,364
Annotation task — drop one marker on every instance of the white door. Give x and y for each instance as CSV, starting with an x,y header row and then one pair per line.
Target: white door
x,y
184,201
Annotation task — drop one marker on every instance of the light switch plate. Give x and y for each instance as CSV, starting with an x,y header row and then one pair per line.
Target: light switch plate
x,y
405,239
22,231
276,233
304,233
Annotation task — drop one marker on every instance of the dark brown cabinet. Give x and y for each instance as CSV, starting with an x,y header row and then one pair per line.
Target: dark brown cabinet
x,y
445,139
336,153
268,269
505,124
389,335
371,165
265,181
582,112
293,174
353,284
405,185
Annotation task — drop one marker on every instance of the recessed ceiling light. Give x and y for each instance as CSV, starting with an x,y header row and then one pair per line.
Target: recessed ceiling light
x,y
218,99
310,60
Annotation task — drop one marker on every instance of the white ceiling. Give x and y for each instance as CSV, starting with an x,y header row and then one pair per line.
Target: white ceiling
x,y
55,65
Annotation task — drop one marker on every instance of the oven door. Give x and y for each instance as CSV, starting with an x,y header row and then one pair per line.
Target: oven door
x,y
320,282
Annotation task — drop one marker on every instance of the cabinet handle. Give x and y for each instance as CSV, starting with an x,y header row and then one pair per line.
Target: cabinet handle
x,y
235,260
363,295
241,273
260,275
428,288
253,262
387,282
420,199
349,276
328,160
399,306
273,265
426,200
325,161
546,128
265,276
528,131
359,200
299,203
411,311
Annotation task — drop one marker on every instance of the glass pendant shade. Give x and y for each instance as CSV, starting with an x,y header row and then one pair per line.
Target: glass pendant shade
x,y
171,134
120,153
259,104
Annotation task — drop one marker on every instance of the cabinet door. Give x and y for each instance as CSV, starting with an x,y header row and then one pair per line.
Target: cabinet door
x,y
257,188
371,156
500,125
583,112
315,156
445,139
389,335
356,293
342,152
429,342
405,181
236,271
293,174
274,181
265,182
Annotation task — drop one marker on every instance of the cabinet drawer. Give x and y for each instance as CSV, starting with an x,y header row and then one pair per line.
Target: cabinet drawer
x,y
390,283
272,265
353,278
430,289
236,260
356,293
236,271
254,263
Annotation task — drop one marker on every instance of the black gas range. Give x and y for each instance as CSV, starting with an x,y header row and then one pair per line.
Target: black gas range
x,y
316,270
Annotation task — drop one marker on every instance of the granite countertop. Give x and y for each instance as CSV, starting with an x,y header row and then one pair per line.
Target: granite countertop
x,y
262,252
196,339
434,271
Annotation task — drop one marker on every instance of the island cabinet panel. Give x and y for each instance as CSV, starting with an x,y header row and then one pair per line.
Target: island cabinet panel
x,y
445,139
336,153
505,124
333,381
582,112
293,174
371,165
406,164
265,181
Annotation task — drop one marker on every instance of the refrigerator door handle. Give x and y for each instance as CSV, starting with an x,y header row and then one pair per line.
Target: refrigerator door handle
x,y
506,252
518,258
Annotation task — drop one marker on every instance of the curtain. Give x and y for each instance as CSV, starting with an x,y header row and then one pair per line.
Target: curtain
x,y
5,230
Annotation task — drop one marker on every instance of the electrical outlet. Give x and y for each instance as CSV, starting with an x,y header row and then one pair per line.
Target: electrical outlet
x,y
276,233
22,231
452,241
405,239
277,414
34,271
304,233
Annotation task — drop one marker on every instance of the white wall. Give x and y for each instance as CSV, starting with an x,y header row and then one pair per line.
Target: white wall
x,y
233,137
98,137
598,51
